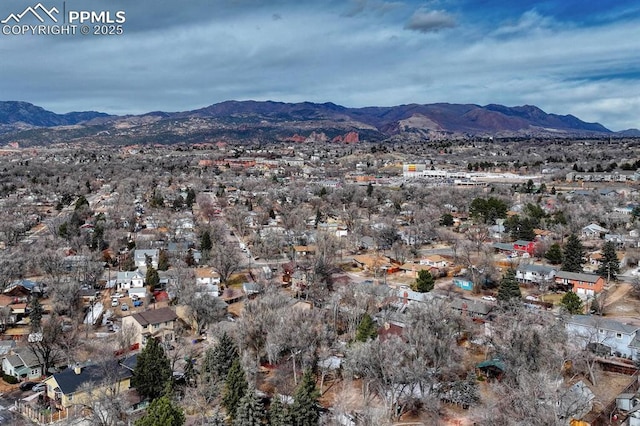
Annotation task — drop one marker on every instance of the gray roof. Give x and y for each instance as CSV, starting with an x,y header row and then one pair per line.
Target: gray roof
x,y
530,267
472,306
589,278
596,321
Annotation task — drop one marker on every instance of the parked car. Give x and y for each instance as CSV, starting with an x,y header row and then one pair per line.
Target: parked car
x,y
114,302
25,386
118,295
124,307
39,387
489,298
137,303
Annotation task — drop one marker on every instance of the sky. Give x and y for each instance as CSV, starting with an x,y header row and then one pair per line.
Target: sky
x,y
579,57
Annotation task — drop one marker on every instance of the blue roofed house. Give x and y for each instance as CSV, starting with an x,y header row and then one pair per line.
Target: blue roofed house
x,y
463,282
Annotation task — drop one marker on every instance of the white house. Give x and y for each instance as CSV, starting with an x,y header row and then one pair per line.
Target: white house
x,y
434,260
594,231
129,279
604,334
140,257
535,274
208,281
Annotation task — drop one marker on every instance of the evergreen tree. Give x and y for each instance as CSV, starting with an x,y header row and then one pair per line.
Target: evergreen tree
x,y
572,303
446,219
163,260
153,370
250,411
554,254
235,388
191,197
424,283
205,241
36,311
162,412
573,255
224,354
509,288
609,265
278,412
305,410
152,278
366,329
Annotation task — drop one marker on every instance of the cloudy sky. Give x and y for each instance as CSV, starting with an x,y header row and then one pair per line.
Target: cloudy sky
x,y
579,57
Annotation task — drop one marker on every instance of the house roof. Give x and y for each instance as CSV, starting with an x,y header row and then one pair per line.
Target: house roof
x,y
155,316
473,306
594,321
576,276
206,273
531,267
522,243
69,382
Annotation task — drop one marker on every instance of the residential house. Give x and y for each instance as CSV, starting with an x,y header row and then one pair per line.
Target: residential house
x,y
154,323
463,282
303,251
412,269
524,246
535,274
594,230
140,257
473,308
604,334
75,386
435,260
129,279
208,281
22,364
581,284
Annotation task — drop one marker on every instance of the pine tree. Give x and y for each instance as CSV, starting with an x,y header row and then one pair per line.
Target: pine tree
x,y
235,388
305,410
152,279
163,260
36,311
224,353
572,303
205,241
573,255
278,412
554,254
216,420
424,283
153,370
162,412
250,411
609,266
509,288
366,329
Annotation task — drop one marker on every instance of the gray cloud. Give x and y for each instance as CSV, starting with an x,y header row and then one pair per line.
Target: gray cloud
x,y
428,21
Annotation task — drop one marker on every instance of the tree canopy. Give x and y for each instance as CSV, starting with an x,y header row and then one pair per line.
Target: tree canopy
x,y
305,410
573,255
609,265
509,288
162,412
424,283
152,371
572,303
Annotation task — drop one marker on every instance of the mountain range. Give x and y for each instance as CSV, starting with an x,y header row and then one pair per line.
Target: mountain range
x,y
27,124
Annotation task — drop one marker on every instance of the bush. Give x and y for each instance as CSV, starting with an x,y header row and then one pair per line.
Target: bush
x,y
9,379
